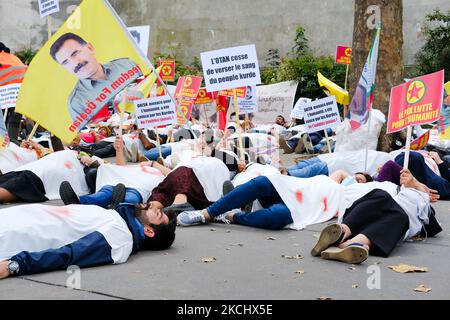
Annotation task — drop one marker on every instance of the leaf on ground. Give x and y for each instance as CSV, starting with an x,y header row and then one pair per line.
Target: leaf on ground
x,y
298,256
237,244
208,259
352,268
212,229
355,286
422,288
271,238
324,298
300,271
404,268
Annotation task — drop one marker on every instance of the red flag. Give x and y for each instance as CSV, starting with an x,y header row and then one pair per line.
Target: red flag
x,y
222,110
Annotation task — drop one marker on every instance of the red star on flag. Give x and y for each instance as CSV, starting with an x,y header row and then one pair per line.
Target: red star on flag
x,y
414,92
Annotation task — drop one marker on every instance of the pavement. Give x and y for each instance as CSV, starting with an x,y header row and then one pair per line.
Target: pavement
x,y
230,262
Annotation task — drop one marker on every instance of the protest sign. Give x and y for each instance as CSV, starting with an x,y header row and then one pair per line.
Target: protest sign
x,y
230,68
155,112
249,103
417,101
4,137
240,92
204,97
275,99
8,95
321,114
62,92
187,87
343,54
185,106
167,70
47,7
297,112
141,36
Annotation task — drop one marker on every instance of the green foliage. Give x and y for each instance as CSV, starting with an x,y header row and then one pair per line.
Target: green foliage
x,y
301,47
435,53
26,55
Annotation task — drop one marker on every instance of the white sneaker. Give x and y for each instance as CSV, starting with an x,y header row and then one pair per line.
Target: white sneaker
x,y
189,218
223,218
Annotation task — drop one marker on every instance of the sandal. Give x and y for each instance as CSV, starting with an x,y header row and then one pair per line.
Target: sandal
x,y
354,253
333,234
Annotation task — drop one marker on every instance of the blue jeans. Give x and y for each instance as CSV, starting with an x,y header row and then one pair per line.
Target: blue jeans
x,y
424,174
153,153
308,168
275,214
103,197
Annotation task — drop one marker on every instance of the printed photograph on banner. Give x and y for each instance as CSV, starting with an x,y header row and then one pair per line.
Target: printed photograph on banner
x,y
444,119
8,95
154,112
79,71
141,36
418,101
47,7
230,68
249,103
321,114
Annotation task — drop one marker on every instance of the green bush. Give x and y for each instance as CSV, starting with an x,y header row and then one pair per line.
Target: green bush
x,y
435,53
26,55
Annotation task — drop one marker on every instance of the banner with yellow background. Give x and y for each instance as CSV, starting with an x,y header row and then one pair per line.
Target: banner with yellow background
x,y
83,66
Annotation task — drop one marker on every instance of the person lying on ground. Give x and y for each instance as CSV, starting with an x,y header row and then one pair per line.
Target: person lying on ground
x,y
14,156
85,236
377,222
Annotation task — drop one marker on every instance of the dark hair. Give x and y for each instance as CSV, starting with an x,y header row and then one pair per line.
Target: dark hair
x,y
164,233
4,48
366,175
56,46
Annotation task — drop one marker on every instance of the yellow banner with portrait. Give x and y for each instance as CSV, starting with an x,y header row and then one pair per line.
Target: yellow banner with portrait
x,y
83,66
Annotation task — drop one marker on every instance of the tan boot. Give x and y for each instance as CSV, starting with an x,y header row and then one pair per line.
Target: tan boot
x,y
300,148
285,146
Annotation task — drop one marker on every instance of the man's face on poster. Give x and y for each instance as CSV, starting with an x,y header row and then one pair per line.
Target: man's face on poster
x,y
358,101
78,59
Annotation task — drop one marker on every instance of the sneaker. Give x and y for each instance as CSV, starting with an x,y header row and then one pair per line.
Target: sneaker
x,y
67,194
307,143
223,218
118,195
189,218
227,187
178,208
285,146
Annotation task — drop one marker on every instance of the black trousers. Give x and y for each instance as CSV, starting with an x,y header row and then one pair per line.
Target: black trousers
x,y
379,218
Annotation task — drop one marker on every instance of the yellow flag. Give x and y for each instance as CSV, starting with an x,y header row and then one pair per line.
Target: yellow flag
x,y
84,65
4,137
335,90
447,87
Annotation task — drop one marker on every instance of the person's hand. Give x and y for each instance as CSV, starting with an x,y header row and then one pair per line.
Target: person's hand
x,y
118,144
26,144
433,194
4,272
87,161
146,164
436,157
241,166
407,179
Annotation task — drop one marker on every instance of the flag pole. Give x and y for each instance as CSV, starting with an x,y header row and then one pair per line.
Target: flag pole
x,y
367,146
236,112
407,147
328,141
345,88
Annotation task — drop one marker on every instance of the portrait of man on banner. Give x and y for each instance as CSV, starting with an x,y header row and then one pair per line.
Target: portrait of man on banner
x,y
358,108
98,82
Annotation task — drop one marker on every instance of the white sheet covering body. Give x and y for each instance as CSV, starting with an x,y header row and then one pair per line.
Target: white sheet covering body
x,y
15,156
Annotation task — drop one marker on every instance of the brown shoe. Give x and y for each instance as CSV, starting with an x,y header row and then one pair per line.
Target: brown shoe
x,y
300,148
285,146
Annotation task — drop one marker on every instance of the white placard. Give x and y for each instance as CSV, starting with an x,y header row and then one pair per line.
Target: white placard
x,y
248,104
141,36
47,7
321,114
156,111
230,68
8,95
297,112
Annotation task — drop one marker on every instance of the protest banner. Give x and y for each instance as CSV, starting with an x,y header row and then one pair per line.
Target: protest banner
x,y
184,109
240,92
343,55
155,111
4,137
417,101
321,114
230,68
249,103
47,7
334,89
167,72
141,35
8,95
297,111
420,142
204,97
188,87
62,91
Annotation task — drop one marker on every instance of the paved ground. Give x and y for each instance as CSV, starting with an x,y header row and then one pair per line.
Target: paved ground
x,y
251,264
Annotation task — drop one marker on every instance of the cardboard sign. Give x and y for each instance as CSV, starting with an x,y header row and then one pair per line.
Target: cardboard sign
x,y
343,55
156,111
184,106
230,68
47,7
240,92
417,101
187,87
8,95
321,114
204,97
297,112
141,36
167,73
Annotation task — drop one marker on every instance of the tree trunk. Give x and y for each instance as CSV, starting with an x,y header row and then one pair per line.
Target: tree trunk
x,y
390,54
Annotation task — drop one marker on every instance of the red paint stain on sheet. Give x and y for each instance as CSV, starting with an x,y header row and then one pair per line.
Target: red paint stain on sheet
x,y
299,196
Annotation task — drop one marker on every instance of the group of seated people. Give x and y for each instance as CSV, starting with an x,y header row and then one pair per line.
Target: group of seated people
x,y
198,175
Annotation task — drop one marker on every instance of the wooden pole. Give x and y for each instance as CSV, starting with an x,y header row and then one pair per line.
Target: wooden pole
x,y
328,141
36,125
49,26
345,88
6,114
158,144
407,147
236,112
